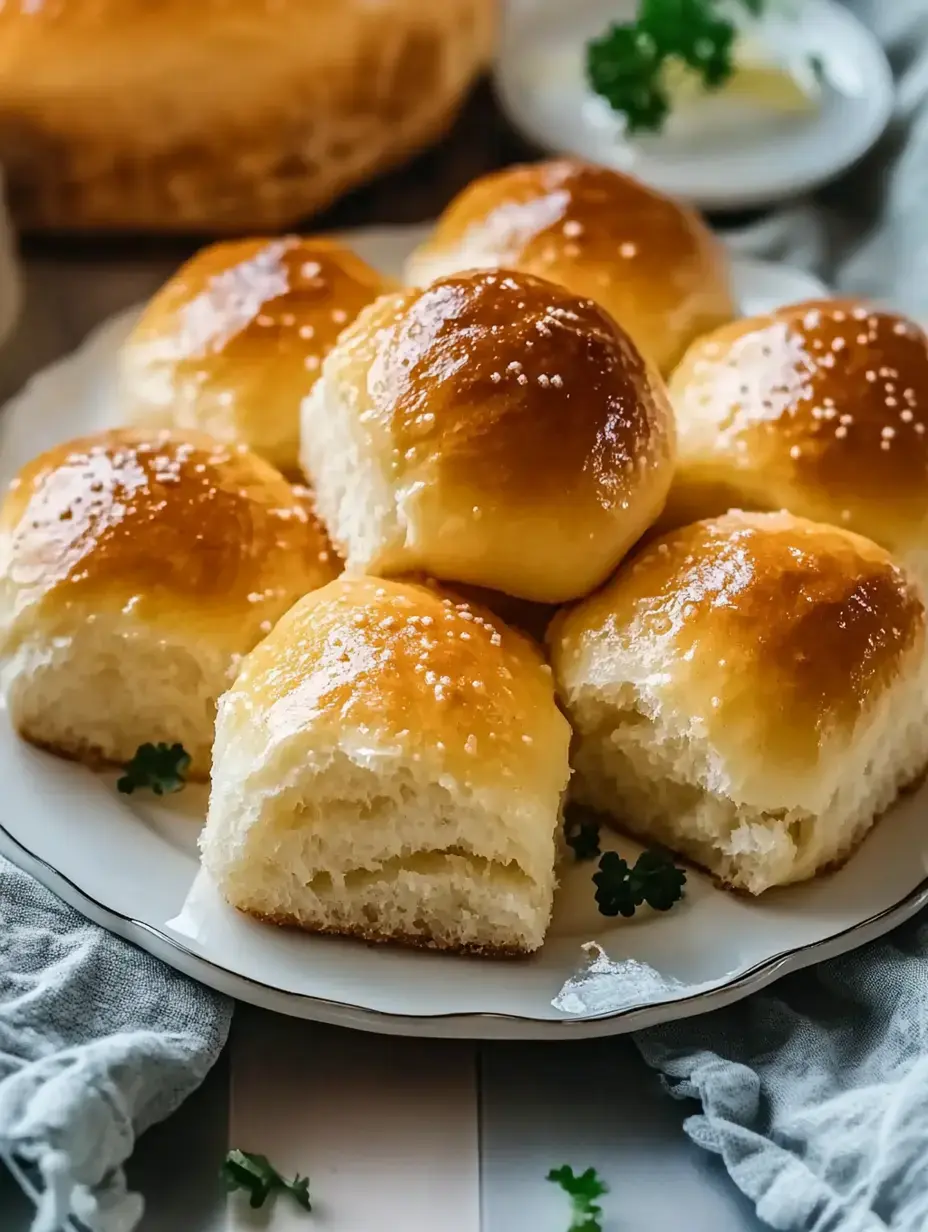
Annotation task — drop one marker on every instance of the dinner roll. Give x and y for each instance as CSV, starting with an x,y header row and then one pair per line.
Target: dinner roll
x,y
749,691
819,408
492,430
234,341
209,115
135,571
389,765
649,261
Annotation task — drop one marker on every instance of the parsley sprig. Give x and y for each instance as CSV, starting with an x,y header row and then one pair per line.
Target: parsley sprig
x,y
626,64
259,1178
160,767
583,1190
582,837
653,879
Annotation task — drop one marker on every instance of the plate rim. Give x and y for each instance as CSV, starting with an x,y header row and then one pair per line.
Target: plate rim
x,y
459,1025
476,1024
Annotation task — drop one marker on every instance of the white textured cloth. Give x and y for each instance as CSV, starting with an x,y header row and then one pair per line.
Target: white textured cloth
x,y
98,1040
815,1093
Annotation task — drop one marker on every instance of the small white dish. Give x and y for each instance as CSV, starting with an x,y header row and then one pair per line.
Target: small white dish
x,y
130,863
541,85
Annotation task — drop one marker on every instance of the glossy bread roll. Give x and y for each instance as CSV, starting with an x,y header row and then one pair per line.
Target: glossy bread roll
x,y
235,340
650,262
211,115
389,765
822,409
135,571
491,430
749,691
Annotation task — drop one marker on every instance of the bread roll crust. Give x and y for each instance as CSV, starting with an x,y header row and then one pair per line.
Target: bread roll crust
x,y
228,115
749,690
819,408
171,524
521,439
455,688
135,571
389,764
651,263
234,341
767,624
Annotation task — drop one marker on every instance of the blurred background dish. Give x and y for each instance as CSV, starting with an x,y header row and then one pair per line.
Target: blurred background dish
x,y
225,115
810,93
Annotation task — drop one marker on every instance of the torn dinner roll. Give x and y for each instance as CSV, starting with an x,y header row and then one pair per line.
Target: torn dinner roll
x,y
389,765
136,569
749,691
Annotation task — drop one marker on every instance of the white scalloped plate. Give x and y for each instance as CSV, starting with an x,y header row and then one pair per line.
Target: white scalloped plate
x,y
131,865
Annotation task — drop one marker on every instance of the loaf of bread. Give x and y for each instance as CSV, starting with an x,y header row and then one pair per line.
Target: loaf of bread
x,y
820,408
235,340
492,430
221,115
750,691
652,263
390,764
136,569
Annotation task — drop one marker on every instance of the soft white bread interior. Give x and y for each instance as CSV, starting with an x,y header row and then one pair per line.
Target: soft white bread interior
x,y
820,408
221,115
749,691
390,764
652,263
493,430
234,341
136,569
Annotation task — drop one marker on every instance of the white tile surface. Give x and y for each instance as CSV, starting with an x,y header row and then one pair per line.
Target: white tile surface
x,y
594,1105
385,1127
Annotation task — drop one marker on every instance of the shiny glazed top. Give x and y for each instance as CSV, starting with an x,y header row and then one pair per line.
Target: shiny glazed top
x,y
235,340
251,298
821,408
391,665
649,261
161,526
505,383
769,633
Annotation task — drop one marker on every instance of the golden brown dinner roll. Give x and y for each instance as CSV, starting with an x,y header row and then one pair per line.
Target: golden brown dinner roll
x,y
750,691
389,764
135,572
493,430
819,408
221,114
650,262
235,340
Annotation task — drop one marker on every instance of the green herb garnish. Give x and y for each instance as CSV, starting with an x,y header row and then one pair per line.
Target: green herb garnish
x,y
653,879
583,838
626,64
583,1190
259,1178
160,767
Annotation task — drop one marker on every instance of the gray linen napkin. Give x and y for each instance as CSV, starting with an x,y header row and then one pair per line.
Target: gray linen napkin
x,y
98,1041
815,1093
